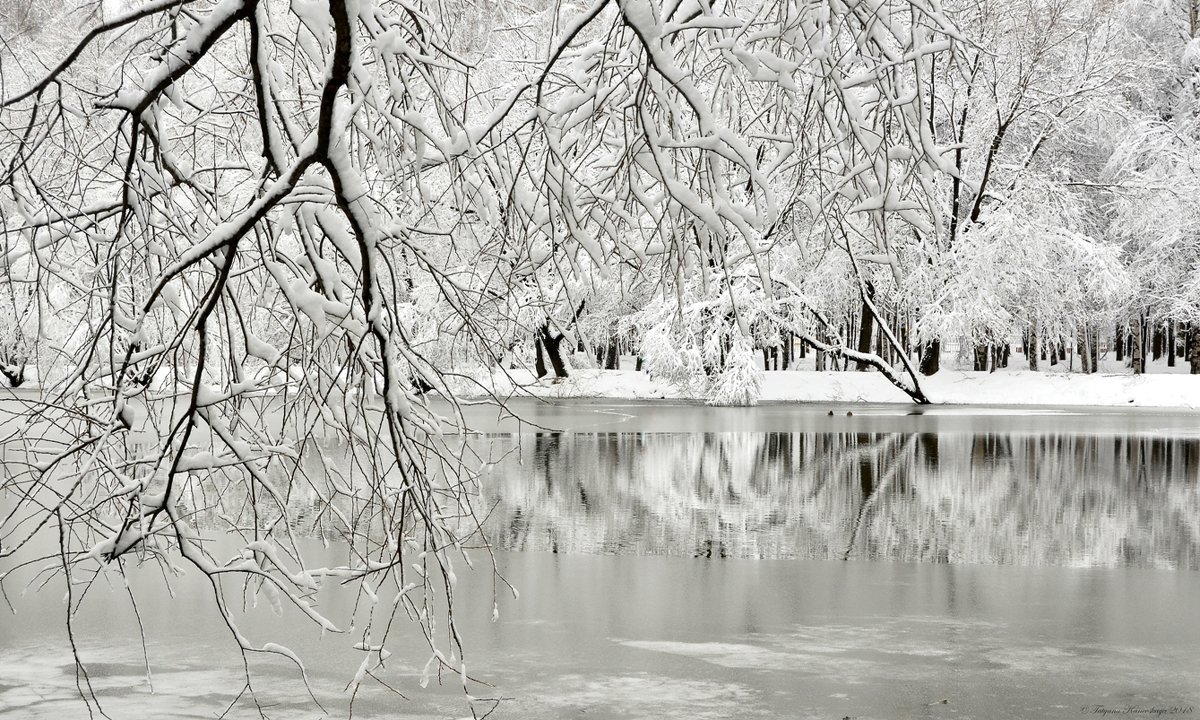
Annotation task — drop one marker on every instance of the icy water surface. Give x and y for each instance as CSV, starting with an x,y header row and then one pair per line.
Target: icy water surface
x,y
777,562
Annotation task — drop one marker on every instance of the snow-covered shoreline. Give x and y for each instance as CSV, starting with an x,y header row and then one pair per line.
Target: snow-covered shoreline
x,y
949,387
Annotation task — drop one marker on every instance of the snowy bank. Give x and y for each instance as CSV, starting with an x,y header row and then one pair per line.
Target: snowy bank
x,y
953,387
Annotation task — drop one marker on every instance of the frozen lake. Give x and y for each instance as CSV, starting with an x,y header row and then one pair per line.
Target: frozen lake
x,y
775,562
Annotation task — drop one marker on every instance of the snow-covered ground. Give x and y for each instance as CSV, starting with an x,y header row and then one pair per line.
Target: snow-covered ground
x,y
1114,386
1008,387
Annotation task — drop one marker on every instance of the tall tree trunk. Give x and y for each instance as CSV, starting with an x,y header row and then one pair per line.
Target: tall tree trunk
x,y
1170,343
879,344
1032,353
865,326
931,357
1139,363
982,353
1119,342
1194,349
612,359
1081,349
1094,348
1156,342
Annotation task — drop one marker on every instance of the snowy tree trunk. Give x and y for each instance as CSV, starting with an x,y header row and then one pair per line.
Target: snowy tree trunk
x,y
1032,352
1081,349
881,348
1194,349
1094,348
1171,343
13,372
553,344
1139,363
931,358
612,357
981,358
539,363
865,326
1119,341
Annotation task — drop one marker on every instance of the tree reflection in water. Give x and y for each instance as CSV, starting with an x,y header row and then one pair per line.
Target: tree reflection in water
x,y
1059,499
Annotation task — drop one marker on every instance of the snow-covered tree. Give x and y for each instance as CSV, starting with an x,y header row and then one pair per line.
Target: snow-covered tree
x,y
298,218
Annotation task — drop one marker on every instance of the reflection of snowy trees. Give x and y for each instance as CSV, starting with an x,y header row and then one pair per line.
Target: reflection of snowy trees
x,y
1059,499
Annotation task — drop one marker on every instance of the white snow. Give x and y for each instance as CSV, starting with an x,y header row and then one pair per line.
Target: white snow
x,y
954,387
